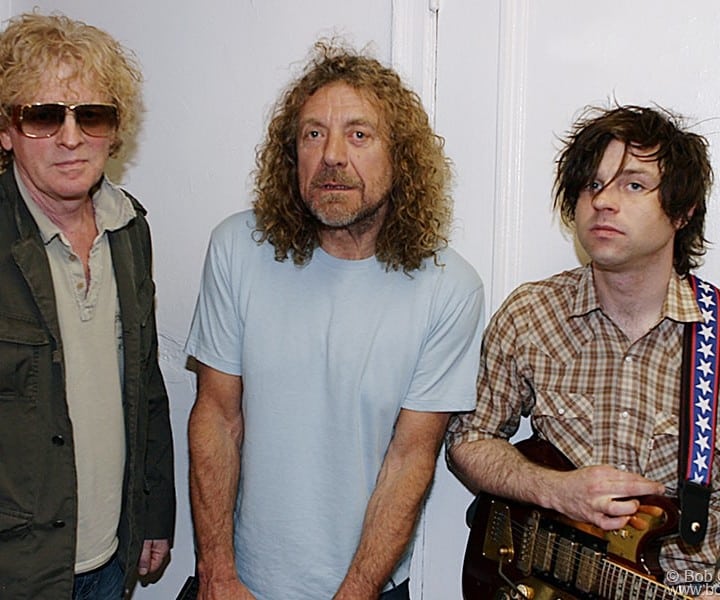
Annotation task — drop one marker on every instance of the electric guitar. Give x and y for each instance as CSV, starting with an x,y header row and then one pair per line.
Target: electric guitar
x,y
519,551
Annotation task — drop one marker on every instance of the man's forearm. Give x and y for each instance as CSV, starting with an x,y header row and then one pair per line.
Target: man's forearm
x,y
214,473
492,465
395,505
390,519
599,494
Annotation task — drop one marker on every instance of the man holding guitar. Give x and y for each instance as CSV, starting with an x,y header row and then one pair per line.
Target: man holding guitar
x,y
594,355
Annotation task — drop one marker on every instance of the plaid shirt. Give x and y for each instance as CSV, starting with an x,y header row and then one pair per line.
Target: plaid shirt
x,y
552,354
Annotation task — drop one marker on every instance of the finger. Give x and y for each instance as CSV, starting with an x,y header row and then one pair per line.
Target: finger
x,y
163,553
638,523
155,560
653,511
617,507
157,557
608,523
145,554
636,485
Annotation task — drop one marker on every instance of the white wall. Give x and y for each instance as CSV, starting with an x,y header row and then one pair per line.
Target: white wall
x,y
511,76
575,54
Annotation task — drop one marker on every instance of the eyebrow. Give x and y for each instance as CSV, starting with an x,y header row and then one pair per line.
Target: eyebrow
x,y
359,121
364,122
637,172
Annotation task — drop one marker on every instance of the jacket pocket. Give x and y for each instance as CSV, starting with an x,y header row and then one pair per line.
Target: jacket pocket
x,y
20,345
23,347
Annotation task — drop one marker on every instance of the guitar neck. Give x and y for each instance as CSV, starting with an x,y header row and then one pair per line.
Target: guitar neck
x,y
620,583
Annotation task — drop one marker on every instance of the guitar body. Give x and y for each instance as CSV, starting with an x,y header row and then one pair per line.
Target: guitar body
x,y
518,551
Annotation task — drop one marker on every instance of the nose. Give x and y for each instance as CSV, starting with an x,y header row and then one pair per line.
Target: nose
x,y
335,150
605,198
70,134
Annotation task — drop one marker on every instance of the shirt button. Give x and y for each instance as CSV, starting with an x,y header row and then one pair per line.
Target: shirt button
x,y
624,414
58,524
622,467
561,411
629,359
58,440
72,257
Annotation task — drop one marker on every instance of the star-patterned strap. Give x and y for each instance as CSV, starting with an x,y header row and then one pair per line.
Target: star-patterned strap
x,y
698,413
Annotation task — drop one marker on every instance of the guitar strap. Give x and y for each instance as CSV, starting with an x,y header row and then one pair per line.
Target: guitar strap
x,y
698,413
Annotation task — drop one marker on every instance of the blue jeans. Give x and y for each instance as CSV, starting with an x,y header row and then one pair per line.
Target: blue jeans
x,y
103,583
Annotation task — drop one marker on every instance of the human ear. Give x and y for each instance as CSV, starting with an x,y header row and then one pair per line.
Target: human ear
x,y
6,140
682,221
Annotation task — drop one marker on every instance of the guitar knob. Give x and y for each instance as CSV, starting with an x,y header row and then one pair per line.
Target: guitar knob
x,y
527,592
521,592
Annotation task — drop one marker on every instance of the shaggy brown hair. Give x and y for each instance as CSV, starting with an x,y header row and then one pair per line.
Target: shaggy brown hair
x,y
33,45
420,206
685,172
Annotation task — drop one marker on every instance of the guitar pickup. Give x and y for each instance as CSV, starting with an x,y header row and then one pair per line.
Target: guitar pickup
x,y
567,556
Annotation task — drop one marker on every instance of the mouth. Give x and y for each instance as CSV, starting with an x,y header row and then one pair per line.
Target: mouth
x,y
70,163
334,187
604,229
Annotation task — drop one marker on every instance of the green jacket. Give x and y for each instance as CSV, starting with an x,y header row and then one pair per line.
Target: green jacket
x,y
38,498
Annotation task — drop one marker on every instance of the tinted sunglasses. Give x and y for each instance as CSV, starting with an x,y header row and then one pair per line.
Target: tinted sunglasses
x,y
45,120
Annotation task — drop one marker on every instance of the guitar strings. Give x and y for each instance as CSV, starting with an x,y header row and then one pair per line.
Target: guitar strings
x,y
605,573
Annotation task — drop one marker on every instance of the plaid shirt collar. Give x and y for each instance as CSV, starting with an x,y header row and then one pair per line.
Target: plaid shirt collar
x,y
680,304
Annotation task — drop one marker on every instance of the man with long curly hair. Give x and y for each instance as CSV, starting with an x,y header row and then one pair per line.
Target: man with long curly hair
x,y
87,494
335,332
594,355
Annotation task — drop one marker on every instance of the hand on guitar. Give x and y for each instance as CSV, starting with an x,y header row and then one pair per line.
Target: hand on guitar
x,y
601,495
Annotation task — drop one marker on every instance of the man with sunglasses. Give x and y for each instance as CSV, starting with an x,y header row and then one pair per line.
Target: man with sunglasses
x,y
335,333
87,495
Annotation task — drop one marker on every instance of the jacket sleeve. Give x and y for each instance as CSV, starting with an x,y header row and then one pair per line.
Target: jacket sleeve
x,y
159,484
151,480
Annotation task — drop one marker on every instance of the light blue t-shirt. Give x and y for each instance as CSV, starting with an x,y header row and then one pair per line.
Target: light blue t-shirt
x,y
329,354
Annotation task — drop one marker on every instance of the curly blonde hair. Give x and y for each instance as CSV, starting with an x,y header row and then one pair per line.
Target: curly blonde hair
x,y
420,206
33,45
